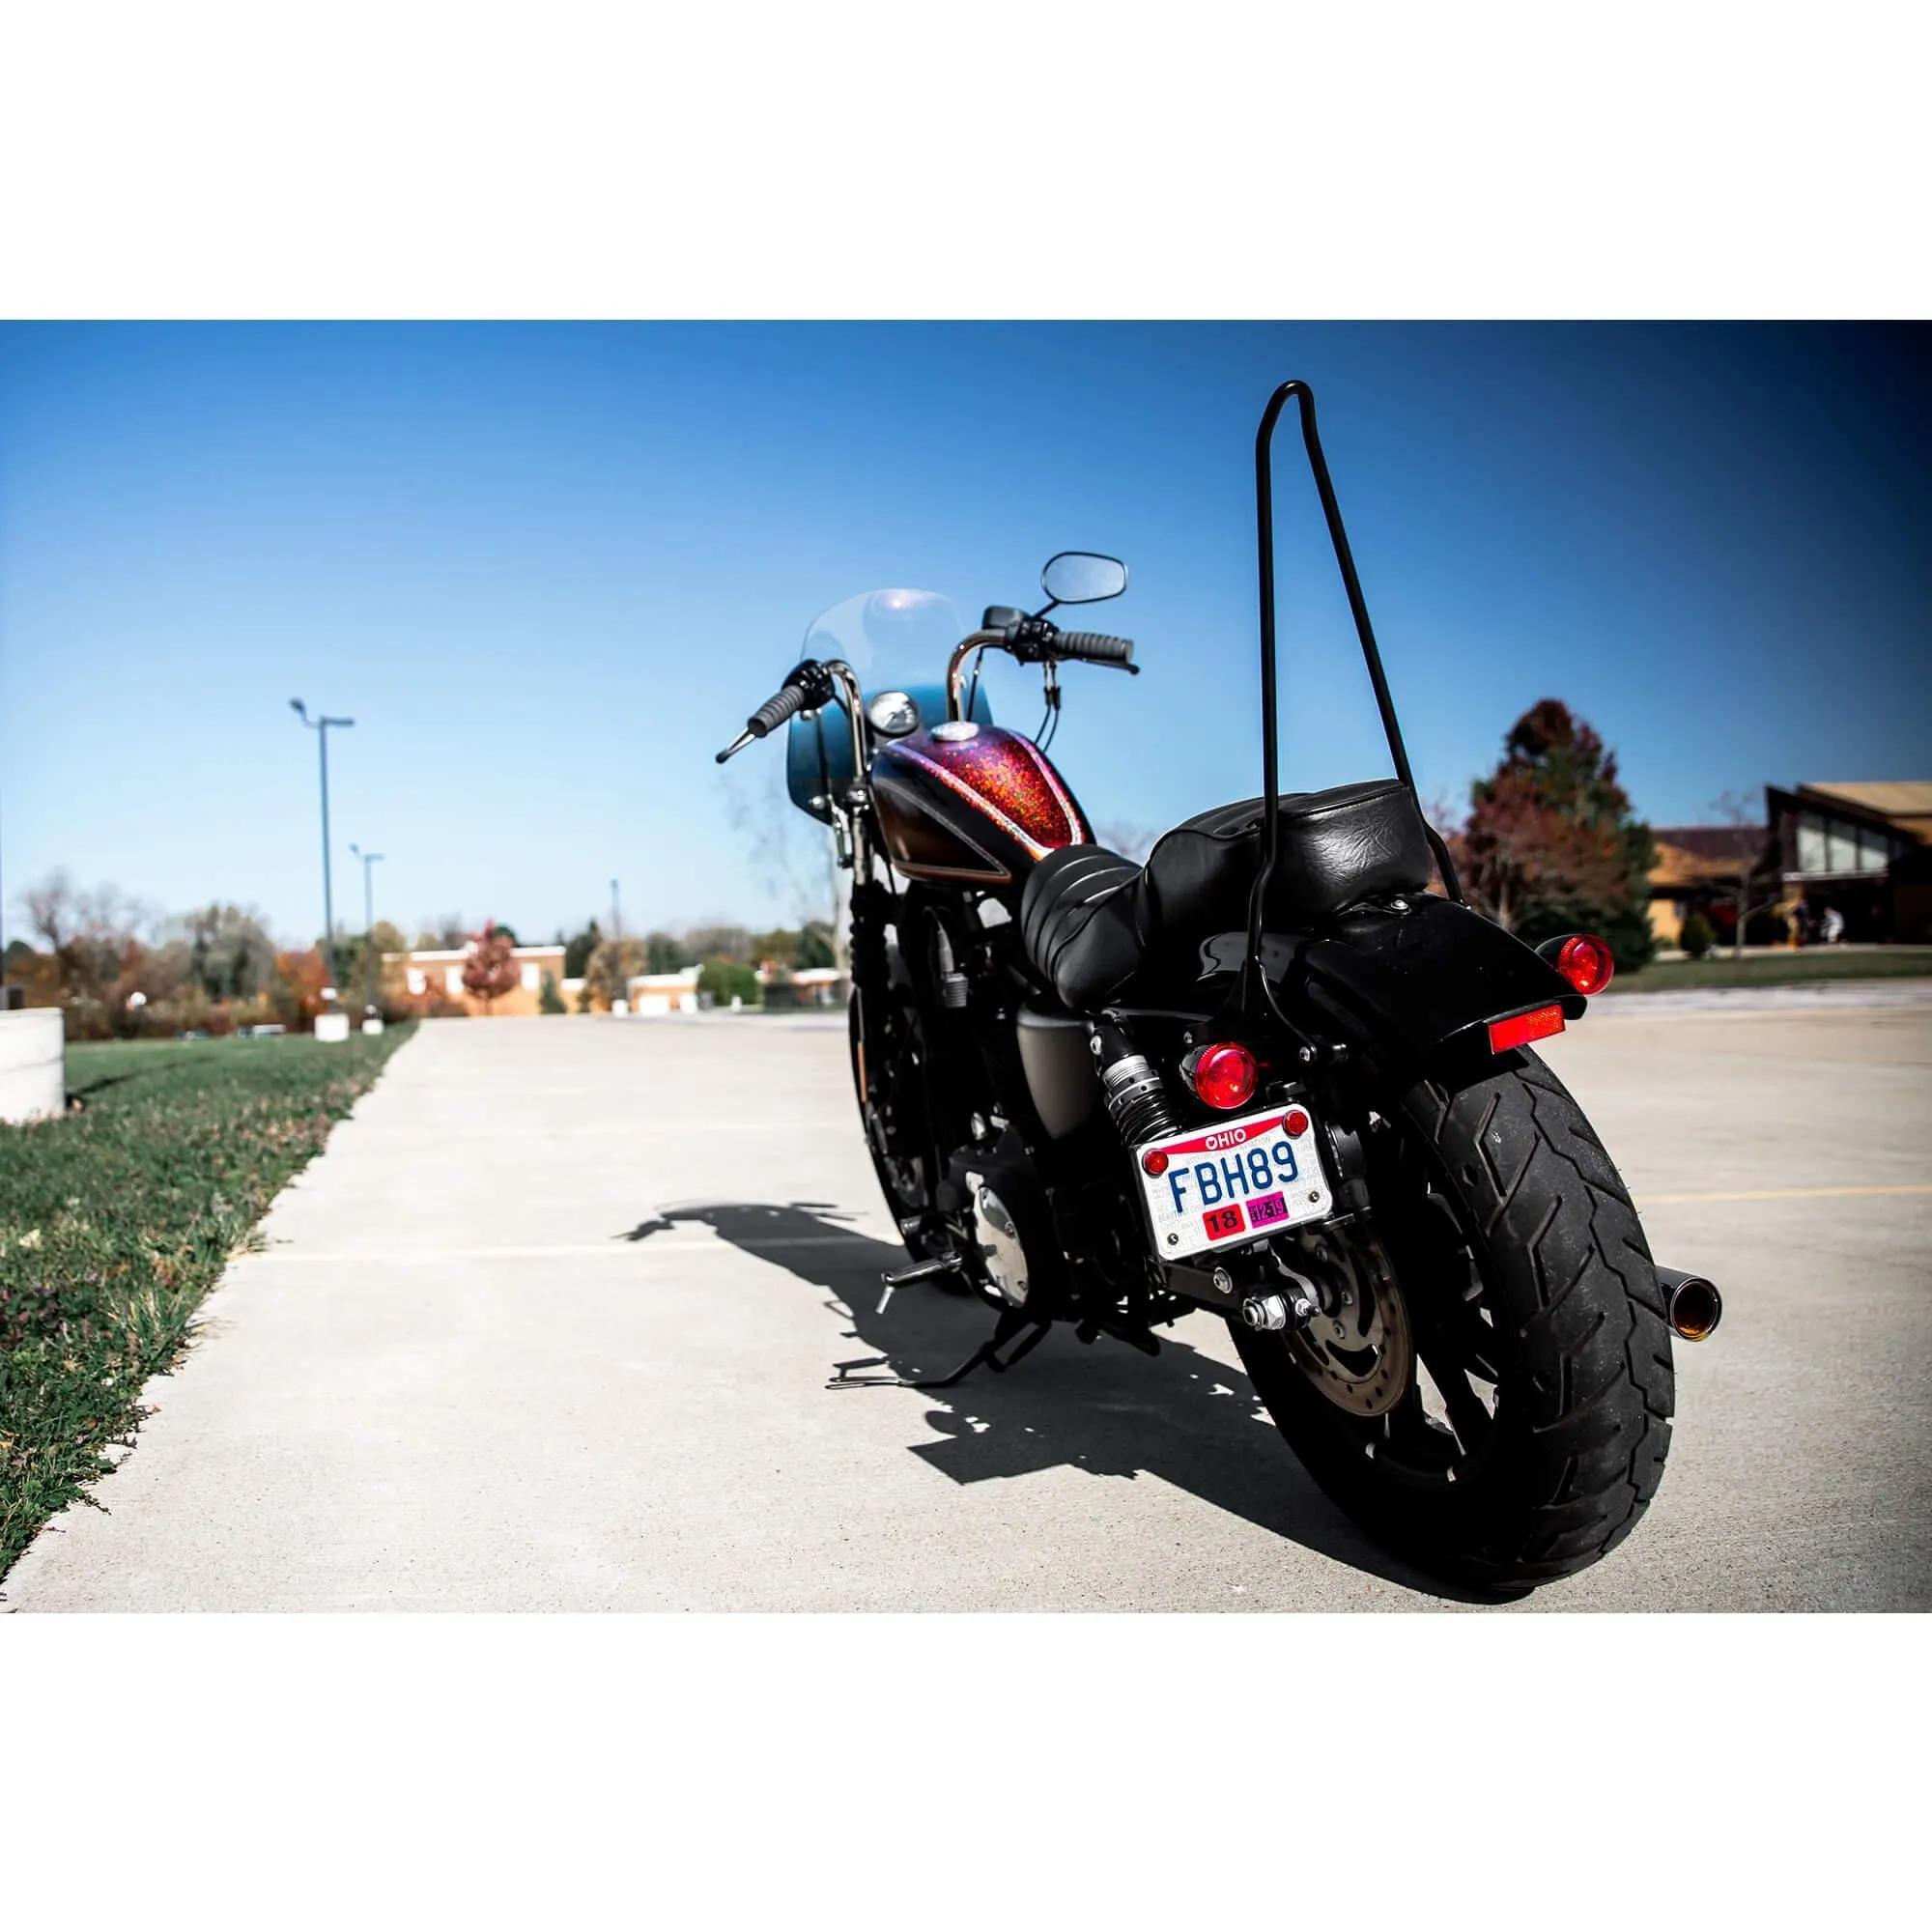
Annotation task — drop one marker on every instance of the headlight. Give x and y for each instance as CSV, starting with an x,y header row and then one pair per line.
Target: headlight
x,y
893,714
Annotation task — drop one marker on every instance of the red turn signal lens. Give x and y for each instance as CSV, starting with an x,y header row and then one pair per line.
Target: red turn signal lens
x,y
1524,1028
1223,1076
1587,962
1154,1162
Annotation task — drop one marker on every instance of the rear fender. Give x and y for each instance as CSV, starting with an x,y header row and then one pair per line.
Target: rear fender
x,y
1418,988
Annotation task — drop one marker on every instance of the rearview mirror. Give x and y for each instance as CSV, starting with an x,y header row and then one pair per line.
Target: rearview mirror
x,y
1081,577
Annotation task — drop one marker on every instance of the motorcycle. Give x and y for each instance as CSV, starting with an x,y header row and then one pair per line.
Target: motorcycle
x,y
1281,1072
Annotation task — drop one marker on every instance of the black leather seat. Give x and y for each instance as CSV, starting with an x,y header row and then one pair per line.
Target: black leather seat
x,y
1088,918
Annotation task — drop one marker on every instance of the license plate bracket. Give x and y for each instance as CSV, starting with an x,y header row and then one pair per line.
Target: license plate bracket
x,y
1234,1182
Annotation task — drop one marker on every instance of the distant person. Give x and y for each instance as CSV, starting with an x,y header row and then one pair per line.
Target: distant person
x,y
1801,925
1833,925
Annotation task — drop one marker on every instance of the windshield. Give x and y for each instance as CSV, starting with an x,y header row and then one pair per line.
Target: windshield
x,y
894,640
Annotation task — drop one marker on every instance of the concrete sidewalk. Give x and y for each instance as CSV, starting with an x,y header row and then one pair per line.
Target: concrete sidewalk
x,y
550,1323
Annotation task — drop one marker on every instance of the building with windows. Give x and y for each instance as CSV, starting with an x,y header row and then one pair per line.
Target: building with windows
x,y
430,982
1865,850
1856,847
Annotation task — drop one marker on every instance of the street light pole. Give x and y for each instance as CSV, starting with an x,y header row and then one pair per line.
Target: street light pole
x,y
368,921
620,985
320,726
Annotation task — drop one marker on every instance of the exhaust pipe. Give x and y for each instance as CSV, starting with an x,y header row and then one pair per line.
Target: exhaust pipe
x,y
1692,1304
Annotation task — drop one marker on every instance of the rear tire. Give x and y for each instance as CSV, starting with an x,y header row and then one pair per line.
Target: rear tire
x,y
1530,1291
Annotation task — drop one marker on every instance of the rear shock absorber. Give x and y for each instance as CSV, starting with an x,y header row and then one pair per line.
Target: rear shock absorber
x,y
1135,1094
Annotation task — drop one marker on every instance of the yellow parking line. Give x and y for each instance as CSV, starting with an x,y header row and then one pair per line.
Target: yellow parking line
x,y
1778,1194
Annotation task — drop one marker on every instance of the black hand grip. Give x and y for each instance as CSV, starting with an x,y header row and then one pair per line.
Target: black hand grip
x,y
774,711
1094,647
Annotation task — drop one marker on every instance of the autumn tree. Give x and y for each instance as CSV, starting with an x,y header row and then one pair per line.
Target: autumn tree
x,y
609,971
1552,843
491,971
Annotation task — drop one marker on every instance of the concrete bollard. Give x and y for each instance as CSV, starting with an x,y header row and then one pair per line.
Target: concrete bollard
x,y
373,1024
331,1026
33,1064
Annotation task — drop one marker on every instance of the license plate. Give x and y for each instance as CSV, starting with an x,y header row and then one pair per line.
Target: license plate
x,y
1216,1187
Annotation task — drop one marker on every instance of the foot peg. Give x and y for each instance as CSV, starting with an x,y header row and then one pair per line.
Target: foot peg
x,y
919,1272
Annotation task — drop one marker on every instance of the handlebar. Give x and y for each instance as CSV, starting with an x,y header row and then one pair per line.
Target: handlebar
x,y
1094,647
1033,641
809,686
774,711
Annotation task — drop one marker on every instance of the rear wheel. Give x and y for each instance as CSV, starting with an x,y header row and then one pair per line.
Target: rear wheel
x,y
1488,1389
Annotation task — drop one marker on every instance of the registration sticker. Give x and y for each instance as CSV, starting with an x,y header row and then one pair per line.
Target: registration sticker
x,y
1216,1186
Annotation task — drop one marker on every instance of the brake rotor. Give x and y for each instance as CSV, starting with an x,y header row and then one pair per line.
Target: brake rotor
x,y
1358,1351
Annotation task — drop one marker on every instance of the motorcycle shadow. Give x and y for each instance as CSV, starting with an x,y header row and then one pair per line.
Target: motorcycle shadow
x,y
1181,1415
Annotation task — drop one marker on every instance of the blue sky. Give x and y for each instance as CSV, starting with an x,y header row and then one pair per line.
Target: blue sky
x,y
549,570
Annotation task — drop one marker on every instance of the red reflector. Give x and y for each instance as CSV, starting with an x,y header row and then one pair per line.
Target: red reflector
x,y
1587,962
1154,1162
1524,1028
1223,1076
1295,1124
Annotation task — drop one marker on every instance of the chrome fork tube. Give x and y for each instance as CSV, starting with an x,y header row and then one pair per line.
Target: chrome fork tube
x,y
955,671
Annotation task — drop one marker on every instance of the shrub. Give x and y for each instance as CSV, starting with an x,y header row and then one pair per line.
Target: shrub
x,y
1697,937
727,979
549,999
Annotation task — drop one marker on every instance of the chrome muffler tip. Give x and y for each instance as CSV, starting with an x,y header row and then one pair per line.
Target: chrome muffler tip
x,y
1692,1304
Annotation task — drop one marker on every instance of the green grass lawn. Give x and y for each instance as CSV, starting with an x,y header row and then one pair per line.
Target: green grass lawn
x,y
1782,969
117,1220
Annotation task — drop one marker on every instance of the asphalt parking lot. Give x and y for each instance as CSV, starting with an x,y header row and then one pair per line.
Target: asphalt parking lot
x,y
551,1326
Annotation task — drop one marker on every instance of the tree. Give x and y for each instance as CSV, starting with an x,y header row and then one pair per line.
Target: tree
x,y
447,935
296,992
793,854
232,955
92,937
1552,843
577,951
777,947
549,999
386,938
491,970
817,946
664,954
718,941
1746,841
607,972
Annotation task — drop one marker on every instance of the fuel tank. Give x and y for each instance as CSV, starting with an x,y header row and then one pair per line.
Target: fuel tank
x,y
971,804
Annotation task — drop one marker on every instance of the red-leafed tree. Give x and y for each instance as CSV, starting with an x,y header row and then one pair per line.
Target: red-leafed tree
x,y
1552,843
491,970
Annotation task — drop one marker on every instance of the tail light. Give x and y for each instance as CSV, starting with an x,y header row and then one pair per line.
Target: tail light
x,y
1587,962
1520,1028
1222,1075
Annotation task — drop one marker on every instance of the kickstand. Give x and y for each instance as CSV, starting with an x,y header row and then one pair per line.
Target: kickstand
x,y
1012,1323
